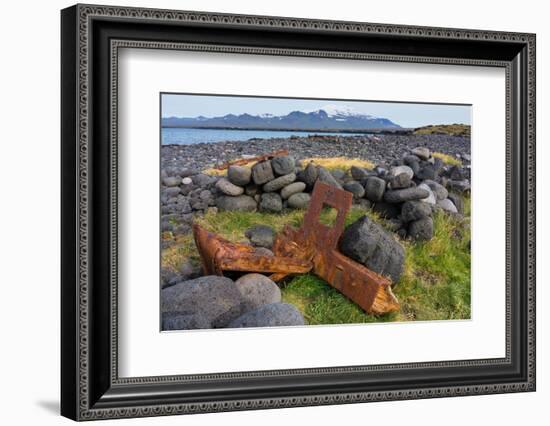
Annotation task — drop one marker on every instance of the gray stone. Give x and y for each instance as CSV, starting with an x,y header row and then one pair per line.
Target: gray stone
x,y
458,201
239,175
283,165
260,235
188,172
421,152
299,201
396,171
271,202
439,190
359,173
257,290
216,298
171,191
427,171
239,203
459,185
326,177
310,175
400,181
186,181
430,199
368,243
422,229
355,188
338,174
293,188
272,315
447,205
228,188
457,173
262,172
203,180
412,162
279,183
408,194
177,321
374,188
414,210
171,181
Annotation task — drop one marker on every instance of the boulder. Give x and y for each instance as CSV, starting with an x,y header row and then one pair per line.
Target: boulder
x,y
279,183
368,243
260,236
430,199
396,171
171,181
325,176
408,194
283,165
400,181
374,188
427,171
239,175
262,172
291,189
188,172
299,201
338,174
355,188
310,175
414,210
412,162
359,173
363,203
439,190
422,229
177,321
422,152
447,205
229,188
203,180
170,192
257,290
243,203
215,297
272,315
271,202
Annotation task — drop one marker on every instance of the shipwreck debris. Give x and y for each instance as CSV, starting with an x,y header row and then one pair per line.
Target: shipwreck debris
x,y
311,248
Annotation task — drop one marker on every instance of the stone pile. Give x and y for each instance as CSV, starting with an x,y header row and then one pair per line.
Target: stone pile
x,y
219,302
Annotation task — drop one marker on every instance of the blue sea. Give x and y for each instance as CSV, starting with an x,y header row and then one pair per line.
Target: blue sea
x,y
184,136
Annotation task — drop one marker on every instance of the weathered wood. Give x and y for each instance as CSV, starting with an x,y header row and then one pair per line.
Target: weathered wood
x,y
242,161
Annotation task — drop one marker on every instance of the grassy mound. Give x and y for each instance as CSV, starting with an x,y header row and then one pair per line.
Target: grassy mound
x,y
444,129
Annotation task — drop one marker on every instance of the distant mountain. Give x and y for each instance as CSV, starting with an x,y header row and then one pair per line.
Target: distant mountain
x,y
329,118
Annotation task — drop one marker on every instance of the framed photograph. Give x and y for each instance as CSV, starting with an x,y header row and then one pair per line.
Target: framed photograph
x,y
263,212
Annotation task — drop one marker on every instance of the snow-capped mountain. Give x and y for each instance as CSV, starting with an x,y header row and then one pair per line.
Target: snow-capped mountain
x,y
328,118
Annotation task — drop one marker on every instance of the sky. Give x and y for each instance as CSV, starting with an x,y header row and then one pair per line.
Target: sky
x,y
404,114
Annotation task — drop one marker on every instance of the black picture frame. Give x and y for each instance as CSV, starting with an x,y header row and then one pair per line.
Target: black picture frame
x,y
90,386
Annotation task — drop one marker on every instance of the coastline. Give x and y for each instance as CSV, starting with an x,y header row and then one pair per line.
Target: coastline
x,y
377,149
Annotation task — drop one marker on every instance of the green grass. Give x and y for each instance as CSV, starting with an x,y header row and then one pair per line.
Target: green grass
x,y
448,159
435,284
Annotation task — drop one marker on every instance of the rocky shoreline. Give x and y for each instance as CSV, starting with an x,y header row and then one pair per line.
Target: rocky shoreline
x,y
377,149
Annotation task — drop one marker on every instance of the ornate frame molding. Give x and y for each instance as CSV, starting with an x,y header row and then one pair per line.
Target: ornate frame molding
x,y
88,408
